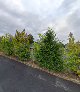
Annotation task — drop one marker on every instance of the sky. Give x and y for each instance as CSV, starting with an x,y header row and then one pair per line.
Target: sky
x,y
37,15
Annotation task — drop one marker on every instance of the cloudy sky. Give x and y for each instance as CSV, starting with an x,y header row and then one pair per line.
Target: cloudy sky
x,y
36,15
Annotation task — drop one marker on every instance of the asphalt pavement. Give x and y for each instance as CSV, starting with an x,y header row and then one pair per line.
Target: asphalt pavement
x,y
17,77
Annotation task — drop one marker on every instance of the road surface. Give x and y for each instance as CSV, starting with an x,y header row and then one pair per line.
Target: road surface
x,y
17,77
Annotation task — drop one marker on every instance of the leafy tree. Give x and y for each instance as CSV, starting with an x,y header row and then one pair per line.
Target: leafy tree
x,y
18,45
30,38
22,51
7,44
22,45
72,50
48,52
21,36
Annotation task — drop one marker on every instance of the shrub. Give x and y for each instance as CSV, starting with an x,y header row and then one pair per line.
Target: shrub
x,y
7,44
47,51
72,60
22,51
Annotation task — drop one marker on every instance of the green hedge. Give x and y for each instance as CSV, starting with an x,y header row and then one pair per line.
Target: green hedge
x,y
47,51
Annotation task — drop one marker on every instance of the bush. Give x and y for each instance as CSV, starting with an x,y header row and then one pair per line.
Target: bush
x,y
7,44
47,51
72,54
22,51
18,45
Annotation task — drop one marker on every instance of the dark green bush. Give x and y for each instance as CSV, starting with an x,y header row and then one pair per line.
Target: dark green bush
x,y
48,53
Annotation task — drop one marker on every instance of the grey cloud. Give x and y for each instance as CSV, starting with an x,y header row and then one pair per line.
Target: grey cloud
x,y
5,7
67,3
65,8
12,19
74,20
28,21
74,23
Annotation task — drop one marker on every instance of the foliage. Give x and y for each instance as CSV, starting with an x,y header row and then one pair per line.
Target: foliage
x,y
22,37
22,51
18,45
72,53
30,38
47,51
7,44
22,45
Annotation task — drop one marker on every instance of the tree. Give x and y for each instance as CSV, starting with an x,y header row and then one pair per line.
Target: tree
x,y
7,44
72,50
22,37
49,54
22,45
30,38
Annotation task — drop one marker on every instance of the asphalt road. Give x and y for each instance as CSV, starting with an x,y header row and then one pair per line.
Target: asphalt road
x,y
17,77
